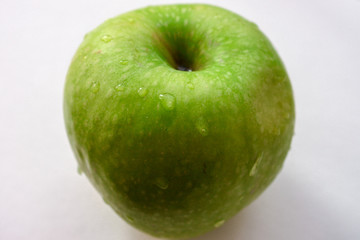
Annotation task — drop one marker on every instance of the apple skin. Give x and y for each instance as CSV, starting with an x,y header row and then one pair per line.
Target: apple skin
x,y
177,153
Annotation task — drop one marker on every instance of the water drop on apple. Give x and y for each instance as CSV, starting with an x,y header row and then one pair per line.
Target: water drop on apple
x,y
142,92
219,223
255,167
162,183
124,62
167,101
202,127
129,218
79,170
190,85
95,87
119,88
106,38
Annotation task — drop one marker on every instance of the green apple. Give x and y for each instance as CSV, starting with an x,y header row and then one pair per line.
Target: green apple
x,y
179,115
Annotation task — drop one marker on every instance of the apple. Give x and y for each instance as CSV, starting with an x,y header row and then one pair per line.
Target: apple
x,y
179,115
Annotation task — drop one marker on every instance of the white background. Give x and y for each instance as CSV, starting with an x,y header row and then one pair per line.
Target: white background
x,y
317,194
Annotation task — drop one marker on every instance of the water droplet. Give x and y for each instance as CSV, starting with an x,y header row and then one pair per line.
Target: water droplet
x,y
162,182
203,131
131,20
277,131
106,201
254,168
119,87
219,223
190,85
202,127
123,62
106,38
95,87
142,92
85,57
79,170
80,153
168,101
129,218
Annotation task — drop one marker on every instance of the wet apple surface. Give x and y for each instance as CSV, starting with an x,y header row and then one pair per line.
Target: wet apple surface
x,y
179,115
